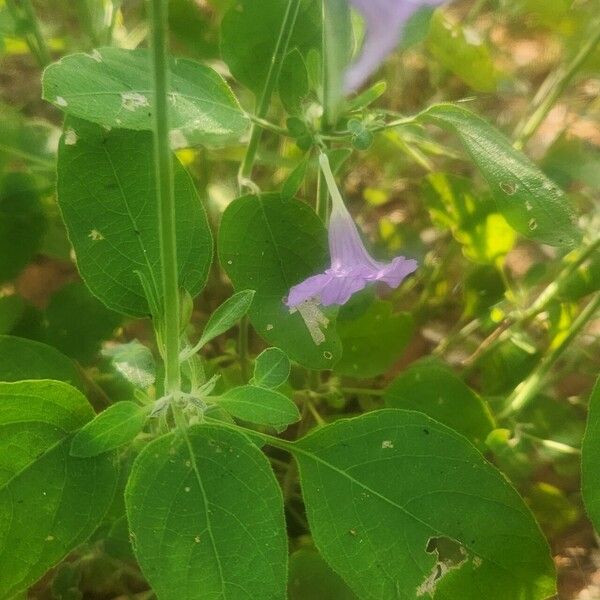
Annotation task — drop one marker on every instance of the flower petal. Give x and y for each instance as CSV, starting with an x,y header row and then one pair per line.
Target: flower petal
x,y
395,272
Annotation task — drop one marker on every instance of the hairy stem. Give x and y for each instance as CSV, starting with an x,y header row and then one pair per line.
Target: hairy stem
x,y
163,162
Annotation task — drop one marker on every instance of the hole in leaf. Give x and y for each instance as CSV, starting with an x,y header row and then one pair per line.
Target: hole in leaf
x,y
450,555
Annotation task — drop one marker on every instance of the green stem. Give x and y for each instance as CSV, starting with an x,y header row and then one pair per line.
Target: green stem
x,y
22,10
243,348
363,391
553,87
165,197
527,391
285,34
551,444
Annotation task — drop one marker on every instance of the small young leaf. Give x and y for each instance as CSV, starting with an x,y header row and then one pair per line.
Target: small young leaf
x,y
432,388
268,244
385,489
261,406
295,179
272,368
206,517
110,214
226,315
531,203
111,86
134,361
22,359
590,457
50,502
112,428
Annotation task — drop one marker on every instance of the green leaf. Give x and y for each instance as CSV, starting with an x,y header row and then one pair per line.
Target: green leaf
x,y
50,502
372,338
269,244
590,455
432,388
293,82
260,406
134,361
106,191
531,203
227,315
25,359
77,322
311,577
116,426
272,368
250,32
295,179
112,87
206,517
387,491
462,51
22,223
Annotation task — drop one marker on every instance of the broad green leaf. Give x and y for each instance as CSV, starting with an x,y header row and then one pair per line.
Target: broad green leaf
x,y
293,83
50,502
432,388
372,338
484,235
272,368
311,577
106,191
134,361
250,32
227,315
590,455
22,223
531,203
259,405
111,429
25,359
462,51
77,322
269,244
387,491
112,87
295,179
206,517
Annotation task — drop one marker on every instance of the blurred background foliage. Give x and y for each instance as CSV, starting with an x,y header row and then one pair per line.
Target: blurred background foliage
x,y
462,325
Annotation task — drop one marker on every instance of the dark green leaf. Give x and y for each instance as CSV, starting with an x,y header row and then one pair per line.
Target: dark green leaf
x,y
106,190
269,244
590,457
295,179
227,315
531,203
206,517
293,82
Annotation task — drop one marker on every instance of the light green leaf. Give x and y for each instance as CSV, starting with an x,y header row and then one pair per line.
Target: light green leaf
x,y
269,244
50,502
312,578
461,50
116,426
590,455
272,368
106,191
25,359
372,338
250,33
386,491
112,87
531,203
22,223
260,405
432,388
295,179
134,361
227,315
206,517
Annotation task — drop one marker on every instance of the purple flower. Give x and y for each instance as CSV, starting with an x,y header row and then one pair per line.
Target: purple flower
x,y
352,268
385,21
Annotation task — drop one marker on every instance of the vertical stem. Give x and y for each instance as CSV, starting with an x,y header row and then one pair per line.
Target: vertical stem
x,y
322,204
34,38
165,196
553,88
285,34
243,348
525,393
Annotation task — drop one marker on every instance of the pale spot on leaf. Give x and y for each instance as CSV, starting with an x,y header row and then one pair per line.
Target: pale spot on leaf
x,y
133,100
